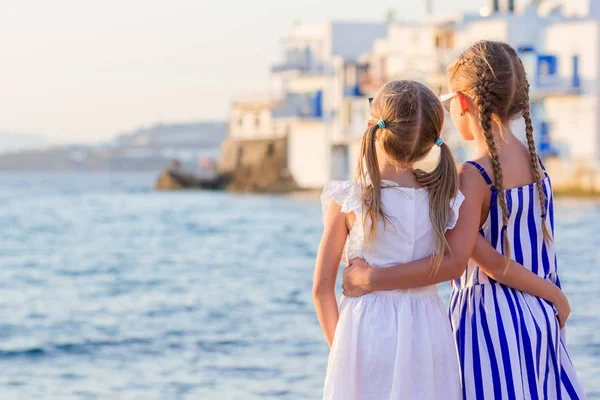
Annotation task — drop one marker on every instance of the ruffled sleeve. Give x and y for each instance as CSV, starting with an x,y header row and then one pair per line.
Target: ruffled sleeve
x,y
455,204
345,193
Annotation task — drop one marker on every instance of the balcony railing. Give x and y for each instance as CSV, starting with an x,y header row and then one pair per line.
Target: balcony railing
x,y
370,83
554,85
546,147
300,67
301,106
352,91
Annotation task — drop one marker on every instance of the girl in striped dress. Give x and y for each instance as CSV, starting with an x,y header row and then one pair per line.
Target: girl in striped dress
x,y
509,341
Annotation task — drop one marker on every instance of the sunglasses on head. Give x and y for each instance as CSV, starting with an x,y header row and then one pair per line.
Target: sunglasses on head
x,y
445,99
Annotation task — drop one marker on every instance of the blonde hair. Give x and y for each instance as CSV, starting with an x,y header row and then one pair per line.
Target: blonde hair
x,y
413,118
493,75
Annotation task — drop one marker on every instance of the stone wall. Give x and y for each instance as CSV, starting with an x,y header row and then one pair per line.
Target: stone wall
x,y
256,166
573,178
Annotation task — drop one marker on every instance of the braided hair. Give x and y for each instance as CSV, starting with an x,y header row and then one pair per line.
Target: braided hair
x,y
494,76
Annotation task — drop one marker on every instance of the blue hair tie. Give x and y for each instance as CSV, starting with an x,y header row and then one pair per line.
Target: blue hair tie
x,y
381,124
439,142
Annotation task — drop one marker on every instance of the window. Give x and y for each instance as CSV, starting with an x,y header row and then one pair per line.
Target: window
x,y
257,121
444,40
348,113
351,74
240,155
450,40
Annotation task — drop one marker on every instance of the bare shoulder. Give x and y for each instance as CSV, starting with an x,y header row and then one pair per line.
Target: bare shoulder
x,y
472,184
466,169
471,174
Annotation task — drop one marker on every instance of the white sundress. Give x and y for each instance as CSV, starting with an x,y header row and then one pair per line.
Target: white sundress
x,y
392,344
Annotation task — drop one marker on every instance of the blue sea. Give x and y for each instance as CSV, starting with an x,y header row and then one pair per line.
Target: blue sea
x,y
109,290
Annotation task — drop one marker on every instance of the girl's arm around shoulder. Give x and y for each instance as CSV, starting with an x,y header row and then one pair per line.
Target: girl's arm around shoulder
x,y
518,277
514,274
326,268
461,241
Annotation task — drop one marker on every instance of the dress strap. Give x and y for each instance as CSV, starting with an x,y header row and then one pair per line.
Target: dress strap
x,y
483,174
542,165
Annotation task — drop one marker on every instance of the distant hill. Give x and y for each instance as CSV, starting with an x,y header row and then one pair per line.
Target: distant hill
x,y
195,134
13,142
144,149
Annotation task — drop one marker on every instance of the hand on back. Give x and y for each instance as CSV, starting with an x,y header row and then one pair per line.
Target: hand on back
x,y
563,308
355,278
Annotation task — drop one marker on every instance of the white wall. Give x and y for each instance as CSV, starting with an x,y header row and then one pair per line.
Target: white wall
x,y
351,120
574,119
517,30
473,31
316,36
574,126
359,117
307,83
380,52
354,155
525,30
313,36
412,52
340,163
250,124
565,40
333,98
581,8
309,154
280,82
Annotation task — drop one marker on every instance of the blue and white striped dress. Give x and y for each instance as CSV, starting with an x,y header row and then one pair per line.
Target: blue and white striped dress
x,y
509,342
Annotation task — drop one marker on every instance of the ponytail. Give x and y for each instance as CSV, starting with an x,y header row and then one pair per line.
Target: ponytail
x,y
442,184
409,120
369,177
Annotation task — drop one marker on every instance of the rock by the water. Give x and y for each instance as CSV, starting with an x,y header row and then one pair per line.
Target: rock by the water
x,y
179,178
256,166
165,181
245,166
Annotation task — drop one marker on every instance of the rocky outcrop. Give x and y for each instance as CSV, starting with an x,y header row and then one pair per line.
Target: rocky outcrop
x,y
256,166
573,178
165,181
245,166
179,179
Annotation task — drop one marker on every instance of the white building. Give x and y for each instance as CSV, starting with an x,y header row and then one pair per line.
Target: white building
x,y
320,90
558,44
319,70
417,51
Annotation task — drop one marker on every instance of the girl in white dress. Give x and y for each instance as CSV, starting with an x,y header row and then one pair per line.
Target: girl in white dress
x,y
390,344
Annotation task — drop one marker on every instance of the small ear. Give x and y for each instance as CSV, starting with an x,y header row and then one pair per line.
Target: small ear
x,y
464,102
370,124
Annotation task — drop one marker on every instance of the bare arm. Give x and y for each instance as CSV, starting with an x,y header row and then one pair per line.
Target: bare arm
x,y
326,269
464,242
519,277
461,241
514,275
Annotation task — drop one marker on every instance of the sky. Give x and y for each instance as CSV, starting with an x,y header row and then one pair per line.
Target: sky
x,y
83,71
